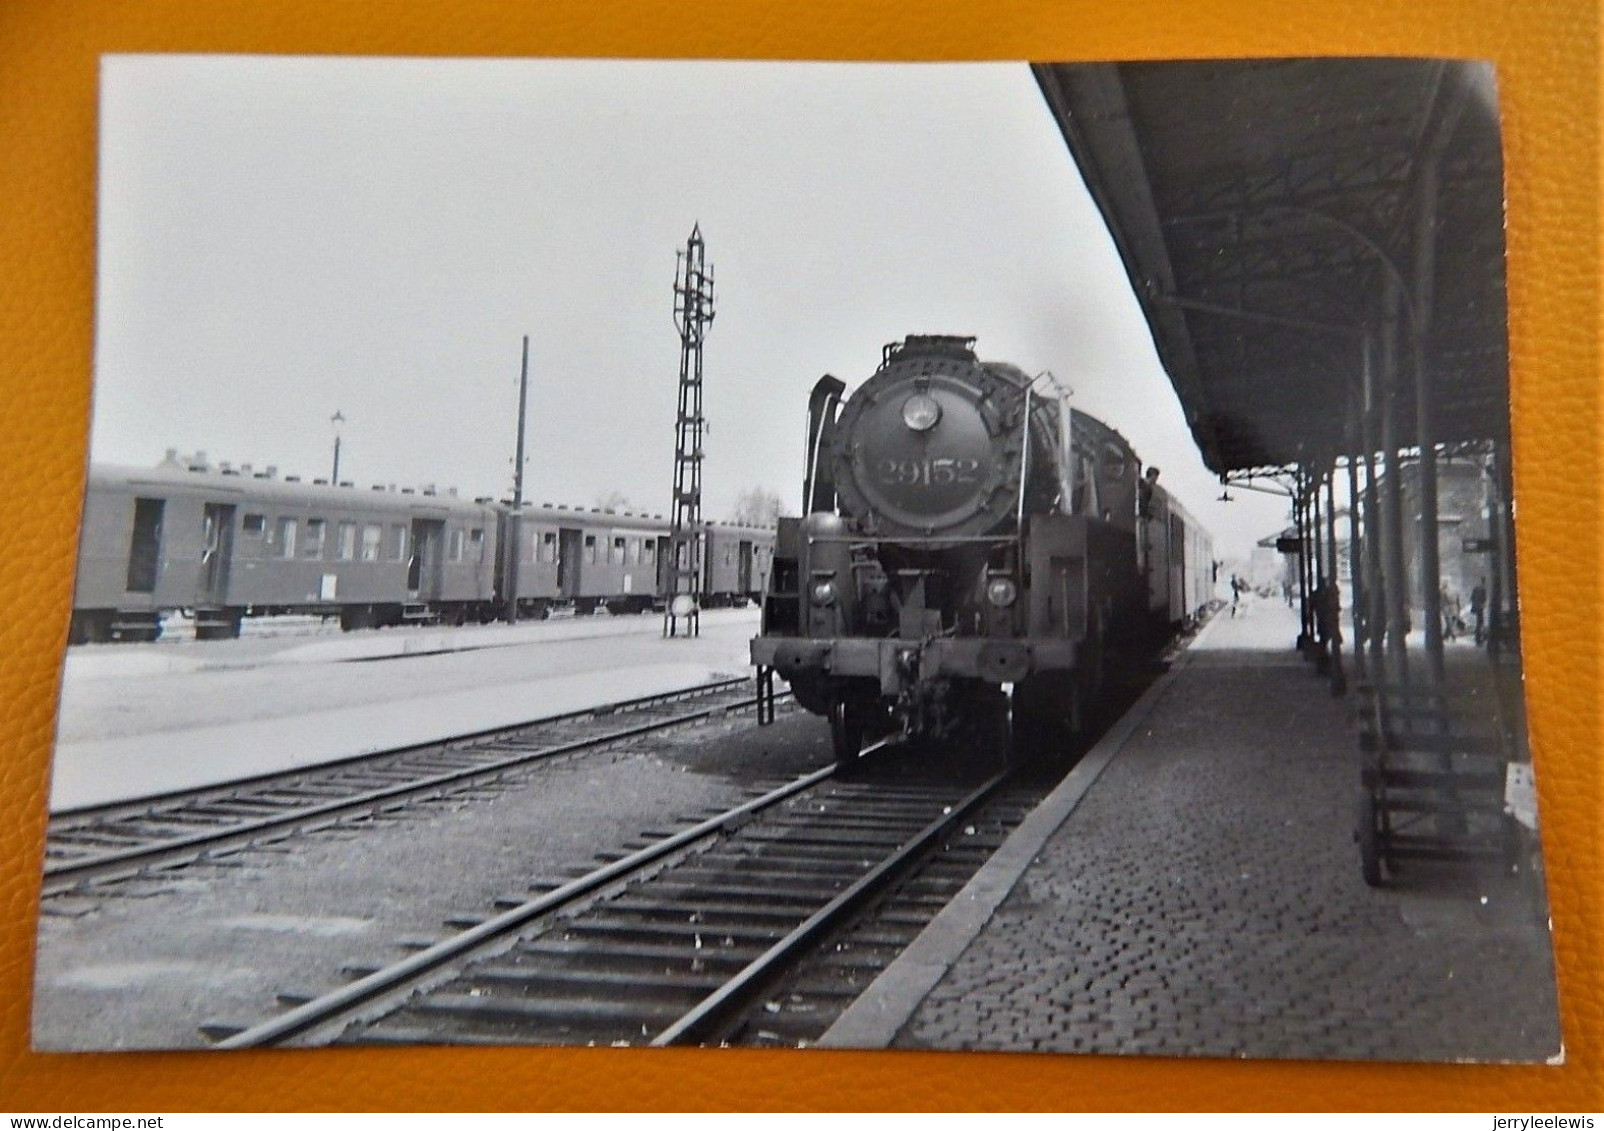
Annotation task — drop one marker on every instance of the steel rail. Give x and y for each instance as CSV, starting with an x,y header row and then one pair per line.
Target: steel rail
x,y
719,1011
322,1010
67,875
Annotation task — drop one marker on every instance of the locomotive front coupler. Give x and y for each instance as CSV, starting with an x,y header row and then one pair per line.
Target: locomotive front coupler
x,y
926,709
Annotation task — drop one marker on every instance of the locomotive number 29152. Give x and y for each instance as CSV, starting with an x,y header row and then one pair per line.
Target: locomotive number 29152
x,y
929,472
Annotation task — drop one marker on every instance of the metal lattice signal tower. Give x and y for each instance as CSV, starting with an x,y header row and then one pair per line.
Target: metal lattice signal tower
x,y
693,314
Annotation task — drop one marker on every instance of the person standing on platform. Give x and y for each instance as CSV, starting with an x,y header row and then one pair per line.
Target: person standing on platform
x,y
1478,609
1328,632
1327,615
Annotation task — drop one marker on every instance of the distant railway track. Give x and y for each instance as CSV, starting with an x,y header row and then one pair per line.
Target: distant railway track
x,y
678,942
91,846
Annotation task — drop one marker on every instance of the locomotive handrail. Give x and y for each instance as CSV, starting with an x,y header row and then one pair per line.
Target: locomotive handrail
x,y
1024,460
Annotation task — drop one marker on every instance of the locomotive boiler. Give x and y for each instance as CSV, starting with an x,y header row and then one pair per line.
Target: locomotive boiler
x,y
968,555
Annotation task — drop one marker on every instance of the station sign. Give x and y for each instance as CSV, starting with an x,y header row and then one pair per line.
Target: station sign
x,y
1289,546
1477,545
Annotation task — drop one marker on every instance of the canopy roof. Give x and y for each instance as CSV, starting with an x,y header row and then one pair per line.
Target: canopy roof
x,y
1262,208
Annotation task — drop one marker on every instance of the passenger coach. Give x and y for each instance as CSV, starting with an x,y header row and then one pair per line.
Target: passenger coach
x,y
599,559
222,543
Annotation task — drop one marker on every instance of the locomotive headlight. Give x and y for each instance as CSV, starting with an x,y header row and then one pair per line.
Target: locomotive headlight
x,y
921,411
824,592
1001,592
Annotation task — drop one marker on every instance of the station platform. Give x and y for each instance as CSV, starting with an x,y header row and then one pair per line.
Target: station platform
x,y
1193,889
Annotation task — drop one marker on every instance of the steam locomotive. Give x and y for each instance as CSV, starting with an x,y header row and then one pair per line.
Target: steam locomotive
x,y
965,559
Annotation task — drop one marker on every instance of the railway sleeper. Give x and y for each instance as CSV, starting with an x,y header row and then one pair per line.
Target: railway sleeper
x,y
188,816
781,851
852,818
542,979
811,837
579,1011
849,958
709,938
864,824
916,918
647,955
809,989
878,800
879,797
388,1034
804,879
216,812
711,910
244,808
87,840
709,917
887,938
853,967
310,794
810,895
743,863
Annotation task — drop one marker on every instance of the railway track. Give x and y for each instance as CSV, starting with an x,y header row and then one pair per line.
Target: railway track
x,y
110,843
755,925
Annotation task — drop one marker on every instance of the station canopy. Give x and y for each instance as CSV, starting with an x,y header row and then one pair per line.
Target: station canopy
x,y
1261,208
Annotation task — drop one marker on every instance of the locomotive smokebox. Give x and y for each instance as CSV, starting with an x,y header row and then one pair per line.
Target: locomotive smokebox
x,y
933,444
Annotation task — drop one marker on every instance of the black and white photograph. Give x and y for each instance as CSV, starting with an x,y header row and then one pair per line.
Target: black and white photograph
x,y
1014,557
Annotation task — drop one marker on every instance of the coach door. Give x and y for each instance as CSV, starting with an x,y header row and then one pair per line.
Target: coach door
x,y
743,582
1178,608
423,568
569,557
217,551
664,565
145,546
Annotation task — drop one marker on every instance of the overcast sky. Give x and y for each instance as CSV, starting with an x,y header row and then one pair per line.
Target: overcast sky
x,y
286,238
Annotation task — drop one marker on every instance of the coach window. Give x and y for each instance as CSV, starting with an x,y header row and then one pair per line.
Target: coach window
x,y
398,543
286,537
316,531
456,543
476,545
548,547
616,556
372,534
590,549
254,524
648,550
347,548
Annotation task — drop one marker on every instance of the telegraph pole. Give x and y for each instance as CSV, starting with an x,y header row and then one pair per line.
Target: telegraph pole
x,y
516,522
693,314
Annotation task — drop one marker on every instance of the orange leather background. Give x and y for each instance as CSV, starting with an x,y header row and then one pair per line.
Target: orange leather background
x,y
1546,52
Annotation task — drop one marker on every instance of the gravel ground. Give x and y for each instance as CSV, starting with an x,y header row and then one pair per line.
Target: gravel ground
x,y
217,944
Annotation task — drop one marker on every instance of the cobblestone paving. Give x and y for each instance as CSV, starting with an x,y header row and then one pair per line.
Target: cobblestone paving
x,y
1205,899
